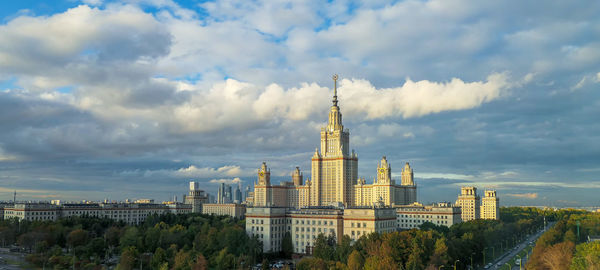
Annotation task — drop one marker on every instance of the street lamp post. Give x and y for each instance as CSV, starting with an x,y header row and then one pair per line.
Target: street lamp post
x,y
520,261
473,253
484,254
441,266
455,264
509,266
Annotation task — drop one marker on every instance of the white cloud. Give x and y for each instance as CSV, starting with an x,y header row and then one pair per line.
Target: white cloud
x,y
190,172
414,99
7,157
193,171
523,195
226,181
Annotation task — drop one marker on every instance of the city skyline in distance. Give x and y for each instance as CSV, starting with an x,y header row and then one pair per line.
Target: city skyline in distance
x,y
470,98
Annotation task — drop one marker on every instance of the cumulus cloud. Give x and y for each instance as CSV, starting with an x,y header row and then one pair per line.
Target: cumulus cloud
x,y
193,171
151,84
414,99
523,195
236,180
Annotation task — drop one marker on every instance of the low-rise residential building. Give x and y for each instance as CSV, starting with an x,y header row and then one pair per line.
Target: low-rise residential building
x,y
412,216
224,209
32,211
130,213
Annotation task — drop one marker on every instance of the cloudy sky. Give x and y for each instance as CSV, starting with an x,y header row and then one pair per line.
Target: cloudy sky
x,y
132,99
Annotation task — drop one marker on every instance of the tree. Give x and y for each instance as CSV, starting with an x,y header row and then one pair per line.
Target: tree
x,y
343,249
379,256
112,236
96,247
558,256
323,248
200,263
355,260
287,246
78,237
587,257
158,258
311,263
225,260
440,253
128,257
129,237
182,259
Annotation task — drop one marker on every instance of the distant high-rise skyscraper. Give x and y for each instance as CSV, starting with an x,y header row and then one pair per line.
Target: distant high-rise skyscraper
x,y
237,195
224,194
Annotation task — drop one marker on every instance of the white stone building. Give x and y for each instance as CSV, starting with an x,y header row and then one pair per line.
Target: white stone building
x,y
224,209
412,216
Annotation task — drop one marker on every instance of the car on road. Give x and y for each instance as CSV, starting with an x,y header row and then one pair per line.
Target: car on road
x,y
488,266
518,262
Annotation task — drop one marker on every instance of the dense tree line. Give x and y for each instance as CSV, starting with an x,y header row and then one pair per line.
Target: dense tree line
x,y
161,242
561,247
429,247
208,242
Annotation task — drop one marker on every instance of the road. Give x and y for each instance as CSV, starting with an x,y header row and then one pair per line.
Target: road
x,y
510,256
11,257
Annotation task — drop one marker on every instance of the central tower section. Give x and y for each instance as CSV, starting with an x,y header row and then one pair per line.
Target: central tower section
x,y
334,168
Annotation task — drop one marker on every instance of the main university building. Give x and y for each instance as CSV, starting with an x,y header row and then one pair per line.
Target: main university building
x,y
336,201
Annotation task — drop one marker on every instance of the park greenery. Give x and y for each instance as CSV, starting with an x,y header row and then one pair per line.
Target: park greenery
x,y
430,247
197,241
161,242
565,246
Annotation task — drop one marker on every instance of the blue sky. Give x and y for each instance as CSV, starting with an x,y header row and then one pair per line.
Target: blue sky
x,y
131,99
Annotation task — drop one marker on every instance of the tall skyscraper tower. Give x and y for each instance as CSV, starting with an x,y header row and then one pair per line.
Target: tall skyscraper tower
x,y
334,168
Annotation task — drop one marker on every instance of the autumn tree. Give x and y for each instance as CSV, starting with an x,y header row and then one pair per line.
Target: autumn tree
x,y
355,260
128,257
200,263
587,257
558,257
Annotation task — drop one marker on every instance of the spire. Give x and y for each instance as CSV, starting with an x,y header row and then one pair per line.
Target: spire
x,y
335,78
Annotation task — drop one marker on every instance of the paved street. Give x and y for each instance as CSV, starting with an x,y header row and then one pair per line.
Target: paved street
x,y
498,264
9,256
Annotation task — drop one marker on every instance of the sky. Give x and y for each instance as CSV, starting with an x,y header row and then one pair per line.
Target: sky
x,y
135,98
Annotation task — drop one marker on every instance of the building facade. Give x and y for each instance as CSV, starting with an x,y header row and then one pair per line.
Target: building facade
x,y
270,224
362,221
196,197
414,215
224,209
130,213
469,202
490,205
